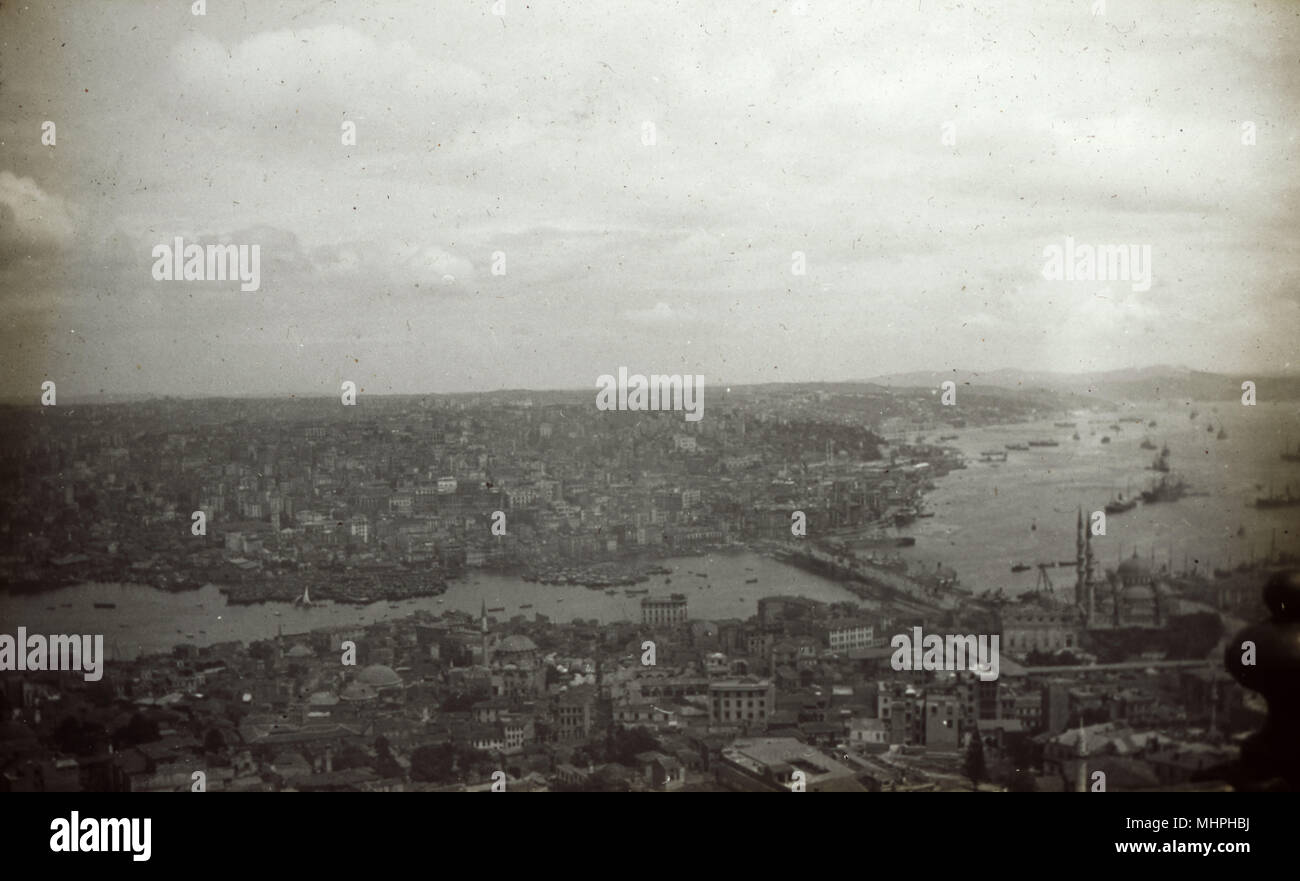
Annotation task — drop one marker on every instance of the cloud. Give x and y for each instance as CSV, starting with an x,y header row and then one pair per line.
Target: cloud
x,y
32,222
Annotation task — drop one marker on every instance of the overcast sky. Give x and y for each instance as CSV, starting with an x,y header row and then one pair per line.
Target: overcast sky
x,y
774,132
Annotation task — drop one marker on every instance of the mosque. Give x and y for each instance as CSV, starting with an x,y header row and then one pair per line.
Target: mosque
x,y
1130,596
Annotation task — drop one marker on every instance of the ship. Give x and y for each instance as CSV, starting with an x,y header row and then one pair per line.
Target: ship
x,y
1043,443
1119,504
1146,444
1105,438
633,593
947,437
1021,567
526,606
1167,489
751,581
1065,424
1016,447
1161,462
498,609
1278,501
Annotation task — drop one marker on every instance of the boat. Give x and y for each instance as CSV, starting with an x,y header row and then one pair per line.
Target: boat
x,y
1291,457
498,609
526,606
1065,424
751,581
610,592
1016,446
105,605
1209,429
1119,504
1151,424
947,437
1076,435
1192,415
1021,567
1278,501
305,599
631,592
1114,426
1146,444
1161,462
1105,439
1222,435
1167,489
1066,562
1043,443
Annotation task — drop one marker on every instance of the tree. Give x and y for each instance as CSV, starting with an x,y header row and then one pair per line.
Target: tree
x,y
974,767
433,764
214,742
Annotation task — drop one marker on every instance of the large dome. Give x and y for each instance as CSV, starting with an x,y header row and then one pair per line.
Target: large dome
x,y
1134,569
378,676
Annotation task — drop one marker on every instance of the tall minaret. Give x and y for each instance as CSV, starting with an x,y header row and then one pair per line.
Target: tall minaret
x,y
487,661
1080,580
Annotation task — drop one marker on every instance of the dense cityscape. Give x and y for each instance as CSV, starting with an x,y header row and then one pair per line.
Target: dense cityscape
x,y
1115,669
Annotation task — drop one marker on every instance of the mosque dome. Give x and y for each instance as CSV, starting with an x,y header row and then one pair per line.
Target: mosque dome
x,y
358,691
1134,569
379,676
323,699
300,651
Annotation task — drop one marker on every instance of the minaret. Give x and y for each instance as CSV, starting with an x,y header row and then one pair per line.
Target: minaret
x,y
1080,581
487,661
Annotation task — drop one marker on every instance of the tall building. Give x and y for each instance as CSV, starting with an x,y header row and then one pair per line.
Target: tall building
x,y
668,610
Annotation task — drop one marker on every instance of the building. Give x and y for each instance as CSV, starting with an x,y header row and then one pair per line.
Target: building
x,y
850,633
748,702
669,611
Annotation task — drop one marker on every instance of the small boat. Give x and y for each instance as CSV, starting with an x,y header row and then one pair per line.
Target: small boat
x,y
1146,444
1064,424
1222,435
105,605
751,581
1043,443
498,609
610,592
1105,439
526,606
1065,562
1016,446
49,608
1151,424
1021,567
1076,435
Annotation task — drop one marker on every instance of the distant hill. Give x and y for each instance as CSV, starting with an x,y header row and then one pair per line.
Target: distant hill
x,y
1160,383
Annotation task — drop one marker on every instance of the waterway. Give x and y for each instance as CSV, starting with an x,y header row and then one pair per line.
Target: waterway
x,y
146,621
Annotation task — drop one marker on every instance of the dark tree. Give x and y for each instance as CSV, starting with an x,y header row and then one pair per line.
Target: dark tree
x,y
974,767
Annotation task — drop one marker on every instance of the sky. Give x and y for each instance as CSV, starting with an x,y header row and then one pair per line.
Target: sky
x,y
919,155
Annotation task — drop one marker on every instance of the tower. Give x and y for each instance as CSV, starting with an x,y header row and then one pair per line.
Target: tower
x,y
487,658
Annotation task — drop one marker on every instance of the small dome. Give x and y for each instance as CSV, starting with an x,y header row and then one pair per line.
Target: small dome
x,y
323,699
378,676
358,691
300,651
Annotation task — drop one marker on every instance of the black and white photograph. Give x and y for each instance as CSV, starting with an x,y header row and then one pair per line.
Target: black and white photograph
x,y
632,397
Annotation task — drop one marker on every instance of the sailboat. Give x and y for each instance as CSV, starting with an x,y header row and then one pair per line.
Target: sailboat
x,y
305,599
